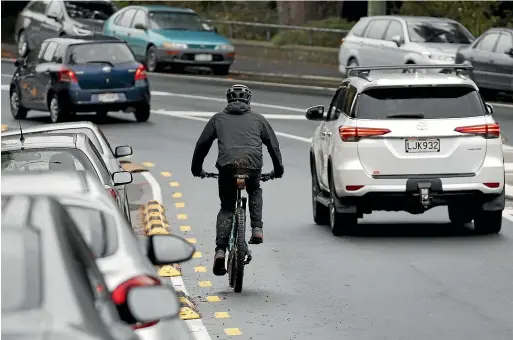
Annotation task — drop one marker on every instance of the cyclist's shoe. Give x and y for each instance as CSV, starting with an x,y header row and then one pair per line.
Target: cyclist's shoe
x,y
219,263
257,236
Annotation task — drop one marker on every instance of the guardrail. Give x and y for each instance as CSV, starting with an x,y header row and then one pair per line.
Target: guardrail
x,y
269,27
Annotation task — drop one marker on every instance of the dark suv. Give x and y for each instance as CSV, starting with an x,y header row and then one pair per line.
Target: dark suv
x,y
41,20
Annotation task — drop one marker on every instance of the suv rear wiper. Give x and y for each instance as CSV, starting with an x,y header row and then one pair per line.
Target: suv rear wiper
x,y
100,62
406,115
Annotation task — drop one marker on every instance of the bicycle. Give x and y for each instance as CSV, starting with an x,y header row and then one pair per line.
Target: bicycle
x,y
239,254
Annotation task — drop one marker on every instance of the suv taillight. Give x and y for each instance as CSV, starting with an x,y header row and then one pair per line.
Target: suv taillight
x,y
119,296
485,130
67,76
140,74
353,134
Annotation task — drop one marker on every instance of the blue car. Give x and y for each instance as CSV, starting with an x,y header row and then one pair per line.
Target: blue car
x,y
65,76
162,35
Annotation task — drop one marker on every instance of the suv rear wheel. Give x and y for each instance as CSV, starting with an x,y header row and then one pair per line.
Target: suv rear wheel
x,y
488,222
340,223
459,215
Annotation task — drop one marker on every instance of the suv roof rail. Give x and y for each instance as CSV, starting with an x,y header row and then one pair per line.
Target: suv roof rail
x,y
363,71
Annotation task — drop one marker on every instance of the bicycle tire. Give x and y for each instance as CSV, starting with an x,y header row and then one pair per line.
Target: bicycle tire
x,y
240,249
231,268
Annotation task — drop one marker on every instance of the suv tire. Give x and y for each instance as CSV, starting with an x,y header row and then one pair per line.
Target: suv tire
x,y
458,215
340,223
488,222
321,214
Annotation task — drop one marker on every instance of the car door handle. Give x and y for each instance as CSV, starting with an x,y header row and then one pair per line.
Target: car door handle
x,y
326,134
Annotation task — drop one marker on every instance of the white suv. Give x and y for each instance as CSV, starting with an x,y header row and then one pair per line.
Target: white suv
x,y
407,142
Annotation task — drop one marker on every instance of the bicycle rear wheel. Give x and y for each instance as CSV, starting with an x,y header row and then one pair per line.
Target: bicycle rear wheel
x,y
240,248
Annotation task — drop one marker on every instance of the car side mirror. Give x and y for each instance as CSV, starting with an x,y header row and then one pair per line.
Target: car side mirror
x,y
489,108
122,177
315,113
19,62
168,249
510,52
152,303
122,151
140,26
399,40
54,16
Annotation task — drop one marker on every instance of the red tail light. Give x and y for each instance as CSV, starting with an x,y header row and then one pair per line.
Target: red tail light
x,y
353,187
119,296
67,76
140,74
113,193
492,185
485,130
353,134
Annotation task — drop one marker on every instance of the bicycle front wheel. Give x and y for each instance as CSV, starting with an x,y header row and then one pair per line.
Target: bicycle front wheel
x,y
240,249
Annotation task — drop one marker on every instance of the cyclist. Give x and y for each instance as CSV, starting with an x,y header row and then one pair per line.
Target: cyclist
x,y
240,133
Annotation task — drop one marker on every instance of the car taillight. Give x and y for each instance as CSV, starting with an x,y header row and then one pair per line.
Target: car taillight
x,y
119,296
140,74
67,76
113,193
353,134
485,130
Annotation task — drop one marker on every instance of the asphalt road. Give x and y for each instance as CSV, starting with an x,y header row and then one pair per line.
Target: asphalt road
x,y
401,277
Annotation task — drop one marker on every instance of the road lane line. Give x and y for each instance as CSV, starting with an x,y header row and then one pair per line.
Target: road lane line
x,y
165,174
196,327
177,195
213,298
221,315
232,331
185,228
200,269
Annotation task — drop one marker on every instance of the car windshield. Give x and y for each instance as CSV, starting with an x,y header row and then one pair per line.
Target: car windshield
x,y
419,102
438,32
97,10
21,269
114,53
97,228
42,160
176,21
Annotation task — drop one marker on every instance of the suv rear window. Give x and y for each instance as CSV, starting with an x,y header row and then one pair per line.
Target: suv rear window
x,y
98,53
420,102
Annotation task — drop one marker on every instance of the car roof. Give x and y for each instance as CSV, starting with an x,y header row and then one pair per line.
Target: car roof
x,y
499,29
409,18
92,39
68,140
408,79
161,8
50,127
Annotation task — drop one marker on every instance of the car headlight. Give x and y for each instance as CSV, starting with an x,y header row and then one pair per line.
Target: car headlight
x,y
175,46
226,48
81,31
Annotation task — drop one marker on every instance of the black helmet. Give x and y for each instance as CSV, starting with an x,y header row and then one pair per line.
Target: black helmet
x,y
240,93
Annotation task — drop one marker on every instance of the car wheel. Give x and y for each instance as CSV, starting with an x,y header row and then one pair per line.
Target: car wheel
x,y
151,59
459,215
340,223
55,108
142,112
17,109
488,222
321,214
23,47
221,70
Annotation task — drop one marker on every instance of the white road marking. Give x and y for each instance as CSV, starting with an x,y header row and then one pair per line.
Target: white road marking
x,y
508,214
196,327
179,115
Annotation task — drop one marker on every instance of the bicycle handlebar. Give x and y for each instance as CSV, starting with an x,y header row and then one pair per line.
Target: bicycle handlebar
x,y
264,178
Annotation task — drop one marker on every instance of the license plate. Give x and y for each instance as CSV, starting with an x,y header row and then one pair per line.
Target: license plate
x,y
203,57
108,97
422,145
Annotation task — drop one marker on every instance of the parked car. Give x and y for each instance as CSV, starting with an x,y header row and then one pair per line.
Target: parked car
x,y
394,40
407,142
491,56
124,260
65,76
51,285
62,152
110,156
162,35
41,20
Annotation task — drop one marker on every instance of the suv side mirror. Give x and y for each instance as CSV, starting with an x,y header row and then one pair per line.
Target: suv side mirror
x,y
140,26
489,108
315,113
399,40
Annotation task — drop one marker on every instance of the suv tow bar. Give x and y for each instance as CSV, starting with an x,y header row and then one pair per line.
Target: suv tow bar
x,y
424,191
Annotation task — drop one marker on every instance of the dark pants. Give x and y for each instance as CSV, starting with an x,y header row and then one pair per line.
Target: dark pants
x,y
228,197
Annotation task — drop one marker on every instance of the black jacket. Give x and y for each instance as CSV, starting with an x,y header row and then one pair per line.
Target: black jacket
x,y
240,133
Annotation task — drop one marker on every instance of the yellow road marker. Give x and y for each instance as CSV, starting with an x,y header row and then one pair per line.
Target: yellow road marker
x,y
185,228
191,240
213,298
174,184
204,284
221,315
166,174
196,255
177,195
180,204
148,164
232,331
181,216
200,269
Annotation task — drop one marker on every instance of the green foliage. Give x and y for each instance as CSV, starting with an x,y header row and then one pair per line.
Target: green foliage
x,y
324,39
